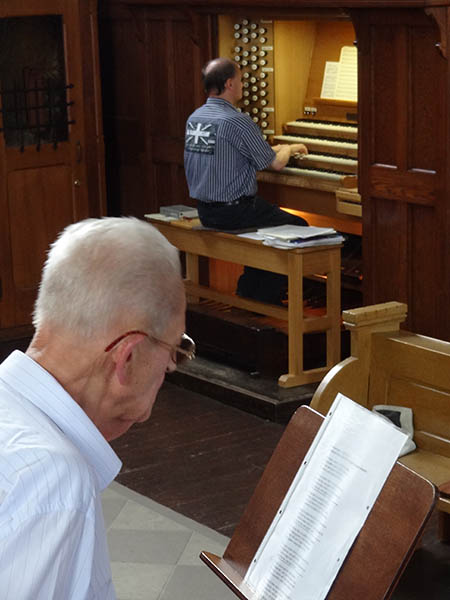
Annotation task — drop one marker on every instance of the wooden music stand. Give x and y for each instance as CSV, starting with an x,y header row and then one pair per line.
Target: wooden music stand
x,y
383,547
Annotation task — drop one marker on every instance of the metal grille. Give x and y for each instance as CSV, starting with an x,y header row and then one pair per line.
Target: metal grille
x,y
35,114
33,88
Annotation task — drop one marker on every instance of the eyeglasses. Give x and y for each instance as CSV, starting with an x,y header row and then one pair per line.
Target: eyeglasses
x,y
181,352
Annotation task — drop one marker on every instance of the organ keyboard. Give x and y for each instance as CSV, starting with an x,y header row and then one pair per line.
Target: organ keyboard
x,y
311,127
332,147
330,166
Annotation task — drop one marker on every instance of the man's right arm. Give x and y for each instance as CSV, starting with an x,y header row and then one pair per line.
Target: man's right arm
x,y
283,152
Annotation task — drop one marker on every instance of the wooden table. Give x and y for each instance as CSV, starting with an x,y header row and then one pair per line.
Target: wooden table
x,y
296,264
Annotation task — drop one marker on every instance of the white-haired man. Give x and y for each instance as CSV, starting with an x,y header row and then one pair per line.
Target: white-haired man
x,y
109,322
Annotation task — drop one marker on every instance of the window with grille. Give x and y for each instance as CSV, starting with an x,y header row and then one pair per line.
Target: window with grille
x,y
33,86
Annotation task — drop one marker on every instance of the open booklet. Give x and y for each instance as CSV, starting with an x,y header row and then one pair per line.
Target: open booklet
x,y
296,232
326,505
296,236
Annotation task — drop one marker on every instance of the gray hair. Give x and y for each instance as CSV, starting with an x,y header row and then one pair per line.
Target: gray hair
x,y
102,271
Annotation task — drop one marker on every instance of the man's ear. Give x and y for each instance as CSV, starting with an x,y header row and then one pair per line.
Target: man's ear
x,y
122,355
229,83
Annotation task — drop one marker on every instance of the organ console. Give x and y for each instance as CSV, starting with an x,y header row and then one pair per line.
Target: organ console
x,y
284,66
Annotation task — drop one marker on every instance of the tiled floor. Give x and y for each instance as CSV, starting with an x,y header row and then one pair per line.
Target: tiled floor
x,y
155,551
155,555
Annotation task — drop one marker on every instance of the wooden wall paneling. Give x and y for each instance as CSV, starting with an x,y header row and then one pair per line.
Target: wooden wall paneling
x,y
165,125
426,95
428,153
6,285
123,76
79,196
293,50
168,48
443,292
401,86
36,216
94,147
426,273
161,109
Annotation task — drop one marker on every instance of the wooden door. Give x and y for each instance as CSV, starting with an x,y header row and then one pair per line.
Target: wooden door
x,y
151,60
403,163
51,143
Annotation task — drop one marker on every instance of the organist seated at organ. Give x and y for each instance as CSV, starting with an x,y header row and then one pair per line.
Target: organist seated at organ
x,y
224,149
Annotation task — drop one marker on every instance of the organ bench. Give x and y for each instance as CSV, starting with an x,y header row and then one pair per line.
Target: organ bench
x,y
390,366
296,264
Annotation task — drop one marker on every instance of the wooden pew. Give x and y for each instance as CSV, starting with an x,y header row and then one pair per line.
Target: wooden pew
x,y
296,264
390,366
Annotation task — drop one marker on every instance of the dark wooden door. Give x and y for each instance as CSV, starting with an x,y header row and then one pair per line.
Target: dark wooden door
x,y
403,163
51,143
151,59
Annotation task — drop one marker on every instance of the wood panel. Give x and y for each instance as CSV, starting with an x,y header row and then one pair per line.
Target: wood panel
x,y
296,40
162,52
36,215
402,161
93,152
122,56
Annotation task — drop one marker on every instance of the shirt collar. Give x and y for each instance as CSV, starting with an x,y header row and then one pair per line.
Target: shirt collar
x,y
222,101
36,384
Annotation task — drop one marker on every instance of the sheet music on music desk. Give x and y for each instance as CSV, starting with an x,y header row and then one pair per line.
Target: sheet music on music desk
x,y
326,504
329,79
347,76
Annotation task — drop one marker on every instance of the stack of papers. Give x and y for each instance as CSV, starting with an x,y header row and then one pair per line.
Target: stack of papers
x,y
179,211
296,236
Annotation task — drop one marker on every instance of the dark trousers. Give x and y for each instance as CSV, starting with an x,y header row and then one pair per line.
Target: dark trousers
x,y
252,213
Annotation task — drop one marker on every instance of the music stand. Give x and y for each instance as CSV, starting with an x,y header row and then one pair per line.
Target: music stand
x,y
382,548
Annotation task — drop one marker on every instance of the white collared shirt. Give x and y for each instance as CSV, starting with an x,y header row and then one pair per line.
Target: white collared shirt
x,y
54,463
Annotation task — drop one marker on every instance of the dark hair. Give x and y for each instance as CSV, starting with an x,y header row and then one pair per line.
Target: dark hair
x,y
216,73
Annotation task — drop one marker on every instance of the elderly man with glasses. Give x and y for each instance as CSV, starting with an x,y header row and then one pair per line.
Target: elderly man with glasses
x,y
109,322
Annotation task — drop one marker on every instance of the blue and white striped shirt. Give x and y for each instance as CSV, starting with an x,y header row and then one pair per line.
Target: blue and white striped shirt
x,y
223,151
54,463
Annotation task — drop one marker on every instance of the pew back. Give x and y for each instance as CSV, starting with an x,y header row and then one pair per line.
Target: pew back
x,y
394,367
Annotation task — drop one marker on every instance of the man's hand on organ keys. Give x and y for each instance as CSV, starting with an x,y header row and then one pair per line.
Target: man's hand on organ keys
x,y
298,150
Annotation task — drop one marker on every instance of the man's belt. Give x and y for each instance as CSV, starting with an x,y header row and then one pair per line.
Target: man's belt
x,y
240,200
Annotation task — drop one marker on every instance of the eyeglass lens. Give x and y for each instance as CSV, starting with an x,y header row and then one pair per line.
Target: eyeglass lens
x,y
186,349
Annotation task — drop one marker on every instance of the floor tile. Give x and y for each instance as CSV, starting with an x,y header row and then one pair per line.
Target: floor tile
x,y
112,504
195,583
136,516
153,547
197,544
139,581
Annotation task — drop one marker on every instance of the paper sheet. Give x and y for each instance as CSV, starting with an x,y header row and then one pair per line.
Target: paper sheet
x,y
340,79
326,505
347,78
290,232
329,79
326,241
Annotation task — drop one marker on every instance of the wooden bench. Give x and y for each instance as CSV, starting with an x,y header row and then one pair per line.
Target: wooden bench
x,y
296,264
390,366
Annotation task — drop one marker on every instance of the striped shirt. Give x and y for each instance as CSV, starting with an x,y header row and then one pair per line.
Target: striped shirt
x,y
223,151
53,465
